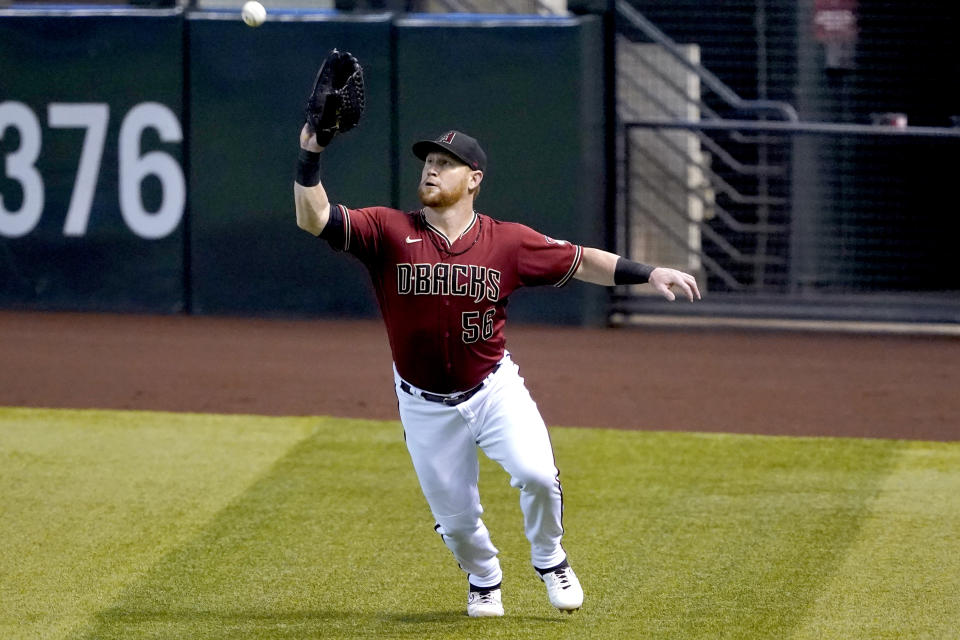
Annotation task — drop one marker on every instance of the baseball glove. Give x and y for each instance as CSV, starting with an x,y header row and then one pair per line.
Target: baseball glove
x,y
337,100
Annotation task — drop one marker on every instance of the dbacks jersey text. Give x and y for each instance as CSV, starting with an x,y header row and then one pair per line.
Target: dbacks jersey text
x,y
444,302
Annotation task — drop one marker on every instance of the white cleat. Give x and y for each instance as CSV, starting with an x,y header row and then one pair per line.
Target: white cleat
x,y
563,588
484,604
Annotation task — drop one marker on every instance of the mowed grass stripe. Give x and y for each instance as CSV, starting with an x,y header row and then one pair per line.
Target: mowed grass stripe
x,y
90,500
722,536
901,578
672,534
331,542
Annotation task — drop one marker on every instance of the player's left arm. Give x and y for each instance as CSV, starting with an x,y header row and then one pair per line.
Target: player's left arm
x,y
608,269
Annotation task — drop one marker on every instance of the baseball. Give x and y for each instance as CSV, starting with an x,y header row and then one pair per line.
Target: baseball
x,y
253,13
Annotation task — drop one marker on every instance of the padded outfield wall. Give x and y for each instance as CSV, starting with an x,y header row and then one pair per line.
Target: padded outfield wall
x,y
149,154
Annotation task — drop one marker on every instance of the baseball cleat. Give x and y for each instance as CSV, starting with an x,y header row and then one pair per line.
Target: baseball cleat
x,y
563,588
484,604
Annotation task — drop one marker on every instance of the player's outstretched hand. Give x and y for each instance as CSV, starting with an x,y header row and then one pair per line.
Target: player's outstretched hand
x,y
665,280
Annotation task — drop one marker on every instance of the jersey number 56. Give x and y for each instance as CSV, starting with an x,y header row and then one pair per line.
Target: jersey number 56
x,y
476,327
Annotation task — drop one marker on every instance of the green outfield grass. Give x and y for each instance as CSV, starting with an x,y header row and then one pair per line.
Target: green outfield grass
x,y
133,525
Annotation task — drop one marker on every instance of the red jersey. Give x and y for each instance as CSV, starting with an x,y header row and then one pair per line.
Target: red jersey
x,y
444,303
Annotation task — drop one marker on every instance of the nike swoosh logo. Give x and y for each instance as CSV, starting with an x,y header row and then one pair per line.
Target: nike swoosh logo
x,y
412,240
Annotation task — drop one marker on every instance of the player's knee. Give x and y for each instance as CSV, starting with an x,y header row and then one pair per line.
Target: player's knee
x,y
459,525
536,480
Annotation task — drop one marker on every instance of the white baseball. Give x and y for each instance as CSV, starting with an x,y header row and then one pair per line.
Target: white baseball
x,y
253,13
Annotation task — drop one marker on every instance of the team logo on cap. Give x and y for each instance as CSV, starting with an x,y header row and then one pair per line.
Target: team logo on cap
x,y
447,138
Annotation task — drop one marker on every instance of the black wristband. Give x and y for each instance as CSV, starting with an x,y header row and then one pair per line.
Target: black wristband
x,y
308,168
630,272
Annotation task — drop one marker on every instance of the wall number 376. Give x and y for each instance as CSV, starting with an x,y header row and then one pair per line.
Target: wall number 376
x,y
134,167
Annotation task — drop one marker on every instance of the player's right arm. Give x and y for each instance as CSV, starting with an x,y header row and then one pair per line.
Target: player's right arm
x,y
310,199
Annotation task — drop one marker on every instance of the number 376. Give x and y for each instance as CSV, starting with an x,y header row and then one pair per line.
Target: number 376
x,y
134,167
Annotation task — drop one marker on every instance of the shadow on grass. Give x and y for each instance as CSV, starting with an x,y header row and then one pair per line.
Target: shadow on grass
x,y
185,622
423,617
432,617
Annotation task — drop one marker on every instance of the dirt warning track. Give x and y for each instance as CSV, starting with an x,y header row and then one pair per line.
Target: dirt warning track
x,y
793,383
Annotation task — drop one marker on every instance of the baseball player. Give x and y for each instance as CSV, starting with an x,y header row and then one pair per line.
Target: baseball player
x,y
442,276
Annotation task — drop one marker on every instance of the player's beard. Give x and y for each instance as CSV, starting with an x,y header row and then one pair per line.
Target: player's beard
x,y
441,197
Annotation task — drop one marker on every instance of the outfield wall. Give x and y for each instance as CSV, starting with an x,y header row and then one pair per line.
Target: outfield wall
x,y
149,153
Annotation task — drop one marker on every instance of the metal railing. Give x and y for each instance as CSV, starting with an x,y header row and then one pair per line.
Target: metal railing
x,y
775,108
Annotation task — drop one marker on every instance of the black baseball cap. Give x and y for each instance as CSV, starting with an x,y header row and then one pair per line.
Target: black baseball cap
x,y
457,144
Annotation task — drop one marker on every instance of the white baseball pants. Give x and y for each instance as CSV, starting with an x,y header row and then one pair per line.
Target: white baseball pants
x,y
504,422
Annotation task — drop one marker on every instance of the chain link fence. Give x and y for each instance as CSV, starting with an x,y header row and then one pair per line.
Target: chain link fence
x,y
813,197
